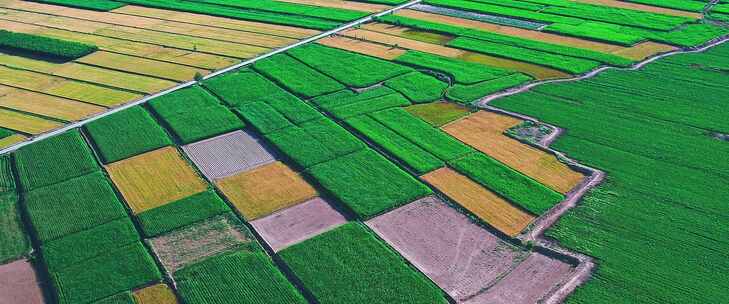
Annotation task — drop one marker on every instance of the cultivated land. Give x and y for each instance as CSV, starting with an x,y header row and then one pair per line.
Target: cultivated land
x,y
369,165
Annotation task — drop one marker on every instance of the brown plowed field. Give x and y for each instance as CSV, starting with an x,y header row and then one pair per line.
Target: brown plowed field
x,y
18,284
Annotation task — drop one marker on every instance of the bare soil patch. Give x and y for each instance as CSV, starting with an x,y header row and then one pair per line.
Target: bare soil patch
x,y
18,284
228,154
298,223
460,256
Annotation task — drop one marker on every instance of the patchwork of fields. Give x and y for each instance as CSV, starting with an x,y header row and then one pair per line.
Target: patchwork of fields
x,y
359,167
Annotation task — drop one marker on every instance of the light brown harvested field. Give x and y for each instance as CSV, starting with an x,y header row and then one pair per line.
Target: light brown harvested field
x,y
264,190
461,257
142,66
47,105
151,51
82,72
403,42
154,179
298,223
228,154
407,32
157,24
18,284
511,31
239,25
198,241
484,131
61,87
26,123
644,50
536,71
11,140
642,7
155,294
528,283
480,201
363,47
350,5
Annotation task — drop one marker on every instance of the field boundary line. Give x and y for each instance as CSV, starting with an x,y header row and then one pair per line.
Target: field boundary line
x,y
234,67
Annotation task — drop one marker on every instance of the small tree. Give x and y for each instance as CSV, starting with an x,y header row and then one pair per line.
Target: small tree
x,y
198,77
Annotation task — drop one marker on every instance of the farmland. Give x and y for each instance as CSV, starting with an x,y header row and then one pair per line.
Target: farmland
x,y
444,151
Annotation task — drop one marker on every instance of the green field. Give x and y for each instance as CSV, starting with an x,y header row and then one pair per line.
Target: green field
x,y
181,213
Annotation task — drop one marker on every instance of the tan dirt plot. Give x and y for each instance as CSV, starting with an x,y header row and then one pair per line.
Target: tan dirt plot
x,y
644,50
350,5
18,284
483,203
641,7
154,179
86,73
11,140
150,51
198,241
461,257
46,105
363,47
157,25
484,131
511,31
531,281
26,123
155,294
65,88
298,223
142,66
266,189
184,42
403,42
239,25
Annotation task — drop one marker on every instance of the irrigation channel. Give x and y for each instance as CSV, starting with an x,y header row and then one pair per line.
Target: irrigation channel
x,y
145,99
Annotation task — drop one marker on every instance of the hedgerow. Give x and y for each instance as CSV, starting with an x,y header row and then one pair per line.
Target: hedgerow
x,y
402,149
72,206
54,160
181,213
352,69
368,183
263,117
46,46
78,247
125,134
418,87
121,270
460,71
296,76
509,183
12,235
422,134
239,277
469,93
350,265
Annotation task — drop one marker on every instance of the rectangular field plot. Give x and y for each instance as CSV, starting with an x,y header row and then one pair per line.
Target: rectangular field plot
x,y
458,255
194,243
13,238
25,123
261,191
143,66
240,277
46,105
181,213
154,179
228,154
485,131
350,265
298,223
483,203
155,294
19,284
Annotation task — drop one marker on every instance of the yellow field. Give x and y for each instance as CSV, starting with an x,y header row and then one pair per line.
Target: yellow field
x,y
363,47
484,131
536,71
644,50
26,123
511,31
47,105
142,66
240,25
404,42
642,7
350,5
11,140
481,202
406,32
266,189
76,71
154,179
155,294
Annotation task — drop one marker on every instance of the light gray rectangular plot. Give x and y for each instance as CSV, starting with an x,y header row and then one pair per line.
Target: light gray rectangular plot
x,y
228,154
